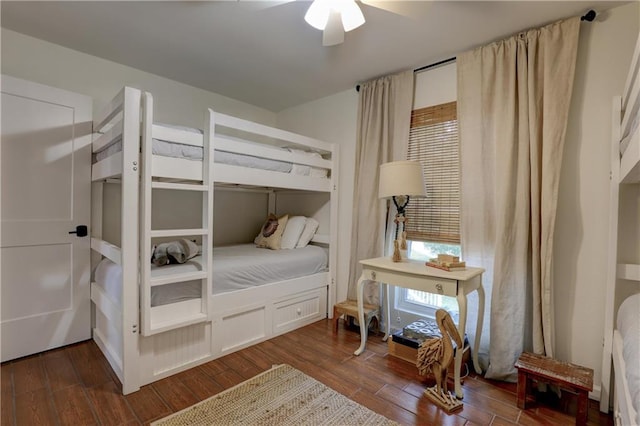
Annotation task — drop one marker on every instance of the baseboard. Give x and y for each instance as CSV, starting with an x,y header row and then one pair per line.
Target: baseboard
x,y
595,393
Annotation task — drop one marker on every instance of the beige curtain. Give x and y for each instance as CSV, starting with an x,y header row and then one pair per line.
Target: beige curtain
x,y
384,117
513,103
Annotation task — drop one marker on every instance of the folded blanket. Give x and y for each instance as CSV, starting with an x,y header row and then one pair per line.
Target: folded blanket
x,y
173,252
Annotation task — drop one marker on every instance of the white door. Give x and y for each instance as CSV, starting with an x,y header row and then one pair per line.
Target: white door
x,y
45,194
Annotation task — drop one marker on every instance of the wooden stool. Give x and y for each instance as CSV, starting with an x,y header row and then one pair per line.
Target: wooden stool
x,y
567,376
349,309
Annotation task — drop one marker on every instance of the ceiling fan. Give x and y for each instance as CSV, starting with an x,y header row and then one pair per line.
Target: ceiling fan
x,y
334,18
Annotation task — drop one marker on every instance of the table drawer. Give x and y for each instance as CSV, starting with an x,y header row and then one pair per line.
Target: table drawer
x,y
446,287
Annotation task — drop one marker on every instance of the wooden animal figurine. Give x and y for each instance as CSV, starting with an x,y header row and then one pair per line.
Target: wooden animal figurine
x,y
396,252
436,355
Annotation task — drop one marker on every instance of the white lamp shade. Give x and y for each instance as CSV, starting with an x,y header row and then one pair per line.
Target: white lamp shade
x,y
401,178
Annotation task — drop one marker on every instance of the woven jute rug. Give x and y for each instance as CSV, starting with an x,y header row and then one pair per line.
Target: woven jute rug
x,y
280,396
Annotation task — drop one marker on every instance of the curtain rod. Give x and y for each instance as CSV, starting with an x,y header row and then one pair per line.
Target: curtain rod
x,y
426,67
589,17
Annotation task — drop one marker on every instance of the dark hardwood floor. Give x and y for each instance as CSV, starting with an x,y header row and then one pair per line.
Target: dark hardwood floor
x,y
74,385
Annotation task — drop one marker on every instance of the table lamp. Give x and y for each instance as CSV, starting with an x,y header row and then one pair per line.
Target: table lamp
x,y
400,180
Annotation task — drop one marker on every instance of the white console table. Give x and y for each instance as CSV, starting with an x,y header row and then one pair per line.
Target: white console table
x,y
416,275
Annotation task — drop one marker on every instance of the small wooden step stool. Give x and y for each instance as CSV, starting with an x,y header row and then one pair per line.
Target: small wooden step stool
x,y
349,308
567,376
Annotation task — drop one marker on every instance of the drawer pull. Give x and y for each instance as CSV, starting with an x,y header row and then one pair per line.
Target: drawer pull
x,y
299,311
439,288
373,275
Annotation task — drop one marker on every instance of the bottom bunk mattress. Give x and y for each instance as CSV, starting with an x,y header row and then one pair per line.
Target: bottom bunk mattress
x,y
628,325
234,268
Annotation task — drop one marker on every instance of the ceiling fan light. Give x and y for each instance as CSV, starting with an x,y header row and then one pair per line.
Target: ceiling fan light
x,y
318,14
352,16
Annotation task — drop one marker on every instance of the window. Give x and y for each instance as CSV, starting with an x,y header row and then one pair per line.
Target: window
x,y
433,140
434,222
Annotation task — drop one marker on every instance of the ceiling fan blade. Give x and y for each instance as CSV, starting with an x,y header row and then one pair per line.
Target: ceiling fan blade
x,y
407,8
334,31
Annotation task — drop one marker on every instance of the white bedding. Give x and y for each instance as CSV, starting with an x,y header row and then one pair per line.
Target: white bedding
x,y
245,265
628,325
234,268
108,275
190,152
624,142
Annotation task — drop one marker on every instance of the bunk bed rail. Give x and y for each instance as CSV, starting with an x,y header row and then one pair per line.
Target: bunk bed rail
x,y
245,153
119,121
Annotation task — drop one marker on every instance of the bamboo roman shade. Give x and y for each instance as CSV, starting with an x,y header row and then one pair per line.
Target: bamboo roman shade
x,y
433,141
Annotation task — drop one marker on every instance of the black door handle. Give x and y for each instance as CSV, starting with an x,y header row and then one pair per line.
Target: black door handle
x,y
81,231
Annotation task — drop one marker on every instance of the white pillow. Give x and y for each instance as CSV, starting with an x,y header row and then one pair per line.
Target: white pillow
x,y
299,169
292,232
302,170
309,231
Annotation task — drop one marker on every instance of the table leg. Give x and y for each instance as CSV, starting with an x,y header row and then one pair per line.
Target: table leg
x,y
522,390
462,323
387,312
583,407
480,319
363,326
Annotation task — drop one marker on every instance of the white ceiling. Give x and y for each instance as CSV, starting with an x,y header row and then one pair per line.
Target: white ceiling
x,y
264,53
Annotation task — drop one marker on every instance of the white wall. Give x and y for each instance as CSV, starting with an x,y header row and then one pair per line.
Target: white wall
x,y
333,119
176,103
580,257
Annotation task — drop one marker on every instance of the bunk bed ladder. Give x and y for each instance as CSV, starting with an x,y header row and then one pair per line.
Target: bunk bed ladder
x,y
179,314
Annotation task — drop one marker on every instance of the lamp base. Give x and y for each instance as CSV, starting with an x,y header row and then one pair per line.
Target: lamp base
x,y
397,257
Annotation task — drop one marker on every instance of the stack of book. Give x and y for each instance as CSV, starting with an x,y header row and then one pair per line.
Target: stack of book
x,y
447,262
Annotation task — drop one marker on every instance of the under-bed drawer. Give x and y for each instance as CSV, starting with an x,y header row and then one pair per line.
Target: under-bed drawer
x,y
300,310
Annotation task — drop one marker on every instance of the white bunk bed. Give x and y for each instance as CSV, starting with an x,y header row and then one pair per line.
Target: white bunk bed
x,y
144,340
622,326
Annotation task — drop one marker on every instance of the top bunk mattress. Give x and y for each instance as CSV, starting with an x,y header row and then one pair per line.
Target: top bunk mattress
x,y
190,152
171,149
234,268
628,325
